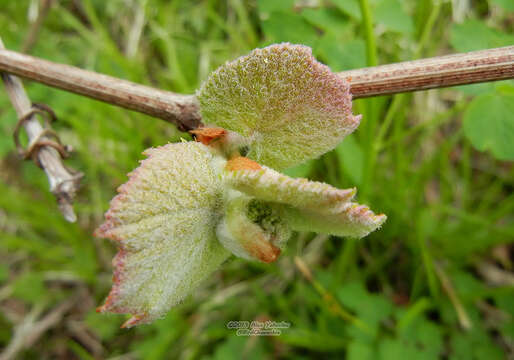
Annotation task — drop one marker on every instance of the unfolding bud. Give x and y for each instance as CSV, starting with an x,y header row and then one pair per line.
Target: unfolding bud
x,y
190,205
252,229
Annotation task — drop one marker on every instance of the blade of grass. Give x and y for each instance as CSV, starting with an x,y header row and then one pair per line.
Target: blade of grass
x,y
329,300
415,310
462,315
399,100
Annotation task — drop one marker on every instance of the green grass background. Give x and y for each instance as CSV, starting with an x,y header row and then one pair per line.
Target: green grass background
x,y
442,260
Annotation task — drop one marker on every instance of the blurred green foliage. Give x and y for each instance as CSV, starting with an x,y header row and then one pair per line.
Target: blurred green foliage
x,y
409,288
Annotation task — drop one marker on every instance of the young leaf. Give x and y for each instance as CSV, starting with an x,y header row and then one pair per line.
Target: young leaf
x,y
163,221
350,220
287,107
269,185
307,205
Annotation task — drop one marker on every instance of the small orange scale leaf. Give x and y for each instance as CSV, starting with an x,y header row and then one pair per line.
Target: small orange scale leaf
x,y
263,250
206,135
242,163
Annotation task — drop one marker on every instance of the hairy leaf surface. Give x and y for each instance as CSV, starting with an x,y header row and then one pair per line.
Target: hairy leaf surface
x,y
287,107
164,221
308,205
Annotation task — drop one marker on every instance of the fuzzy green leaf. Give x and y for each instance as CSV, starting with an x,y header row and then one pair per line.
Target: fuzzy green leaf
x,y
287,107
269,185
164,221
308,205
